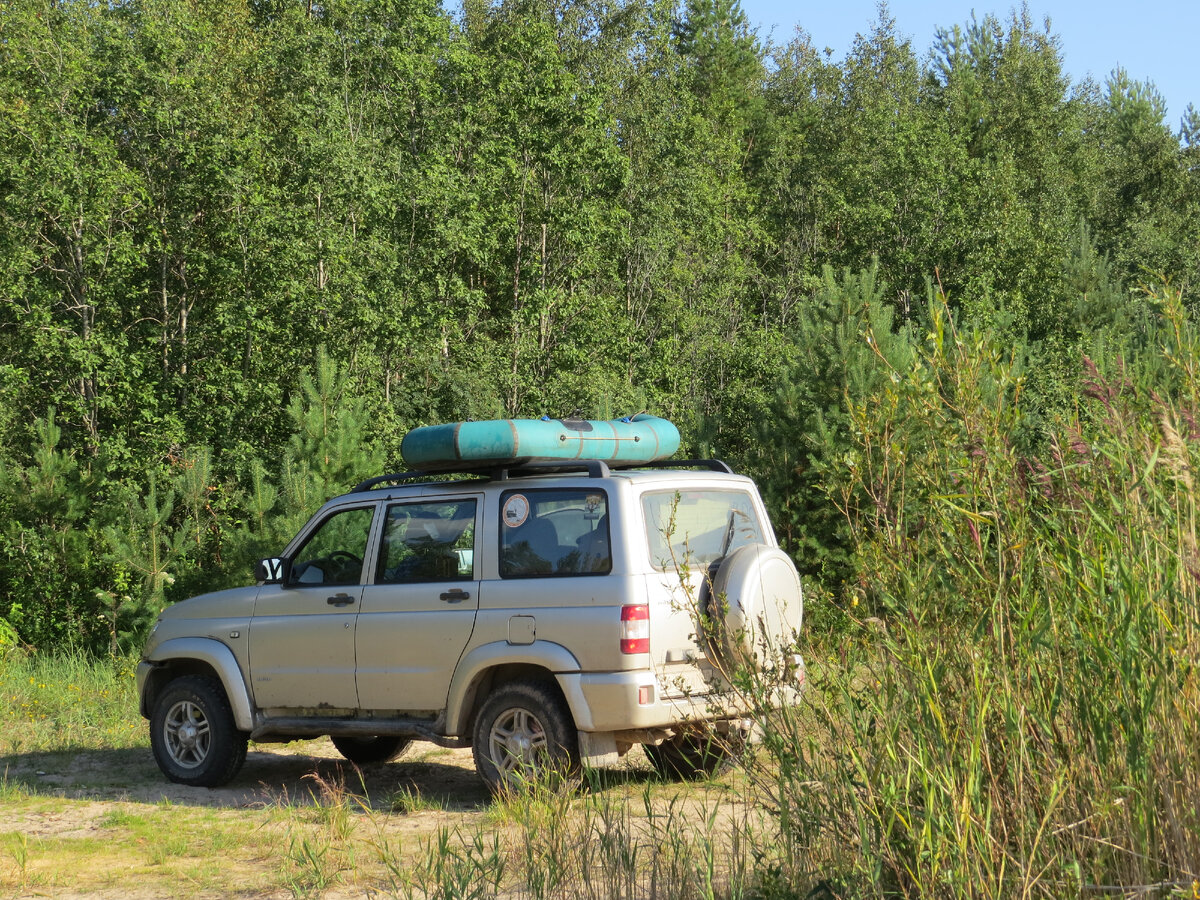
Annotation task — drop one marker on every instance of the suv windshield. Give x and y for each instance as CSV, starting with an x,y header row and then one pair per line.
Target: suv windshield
x,y
697,527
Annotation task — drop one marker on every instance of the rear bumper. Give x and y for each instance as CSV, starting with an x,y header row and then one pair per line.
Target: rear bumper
x,y
623,701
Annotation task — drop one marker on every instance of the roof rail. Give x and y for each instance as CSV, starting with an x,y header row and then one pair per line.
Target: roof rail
x,y
714,465
393,478
594,467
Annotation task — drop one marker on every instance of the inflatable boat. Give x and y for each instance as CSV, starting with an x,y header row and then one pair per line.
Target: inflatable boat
x,y
499,442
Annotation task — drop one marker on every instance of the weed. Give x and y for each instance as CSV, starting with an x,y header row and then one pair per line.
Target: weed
x,y
311,867
451,865
11,791
411,800
168,847
120,818
18,848
333,804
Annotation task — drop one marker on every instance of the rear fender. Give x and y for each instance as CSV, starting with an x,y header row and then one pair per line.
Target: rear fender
x,y
555,659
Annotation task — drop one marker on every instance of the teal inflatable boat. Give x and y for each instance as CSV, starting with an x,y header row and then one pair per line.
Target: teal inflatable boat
x,y
498,442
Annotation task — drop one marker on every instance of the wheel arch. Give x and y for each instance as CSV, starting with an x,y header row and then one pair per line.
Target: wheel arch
x,y
491,665
197,656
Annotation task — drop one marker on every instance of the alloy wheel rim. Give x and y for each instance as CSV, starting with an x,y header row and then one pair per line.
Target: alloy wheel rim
x,y
517,743
188,734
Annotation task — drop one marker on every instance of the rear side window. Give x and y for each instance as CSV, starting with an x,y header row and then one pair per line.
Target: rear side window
x,y
685,529
549,533
423,542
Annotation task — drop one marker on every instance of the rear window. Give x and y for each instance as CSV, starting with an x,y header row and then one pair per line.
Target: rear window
x,y
547,533
696,528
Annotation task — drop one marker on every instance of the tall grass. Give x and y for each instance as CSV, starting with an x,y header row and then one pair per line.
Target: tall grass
x,y
1028,721
59,701
548,844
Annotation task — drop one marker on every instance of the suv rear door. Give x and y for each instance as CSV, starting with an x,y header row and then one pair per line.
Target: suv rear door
x,y
688,533
418,609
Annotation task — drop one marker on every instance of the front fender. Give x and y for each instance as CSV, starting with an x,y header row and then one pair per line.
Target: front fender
x,y
210,653
547,655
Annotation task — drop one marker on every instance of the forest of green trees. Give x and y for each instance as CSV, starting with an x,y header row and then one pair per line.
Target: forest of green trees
x,y
245,245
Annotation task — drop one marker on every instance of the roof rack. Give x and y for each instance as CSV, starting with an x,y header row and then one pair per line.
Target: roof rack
x,y
595,468
393,478
713,465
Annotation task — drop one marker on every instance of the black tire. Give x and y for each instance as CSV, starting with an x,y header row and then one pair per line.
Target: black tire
x,y
363,751
524,733
193,735
691,755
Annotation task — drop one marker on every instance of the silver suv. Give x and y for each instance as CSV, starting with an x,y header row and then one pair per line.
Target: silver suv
x,y
545,617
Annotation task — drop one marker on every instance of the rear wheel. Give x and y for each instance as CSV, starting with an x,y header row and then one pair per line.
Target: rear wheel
x,y
691,755
193,735
525,733
363,751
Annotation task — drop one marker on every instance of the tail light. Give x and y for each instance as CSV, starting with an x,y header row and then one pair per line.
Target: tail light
x,y
635,629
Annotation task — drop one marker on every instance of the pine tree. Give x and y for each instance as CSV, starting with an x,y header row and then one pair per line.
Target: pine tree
x,y
845,344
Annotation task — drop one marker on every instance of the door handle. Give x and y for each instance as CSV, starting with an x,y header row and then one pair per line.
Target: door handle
x,y
340,600
455,596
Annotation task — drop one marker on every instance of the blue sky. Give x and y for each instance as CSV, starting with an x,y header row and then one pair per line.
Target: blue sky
x,y
1153,41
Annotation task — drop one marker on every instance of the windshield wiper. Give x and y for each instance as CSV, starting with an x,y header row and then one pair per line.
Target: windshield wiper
x,y
728,535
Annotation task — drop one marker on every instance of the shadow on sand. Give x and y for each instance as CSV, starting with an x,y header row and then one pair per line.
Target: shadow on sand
x,y
285,775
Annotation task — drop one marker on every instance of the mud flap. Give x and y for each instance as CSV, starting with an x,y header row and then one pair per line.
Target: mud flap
x,y
598,749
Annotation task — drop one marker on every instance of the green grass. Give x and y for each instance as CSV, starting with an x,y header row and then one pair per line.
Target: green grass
x,y
53,702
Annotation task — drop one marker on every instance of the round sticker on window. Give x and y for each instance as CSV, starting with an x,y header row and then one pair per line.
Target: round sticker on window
x,y
516,510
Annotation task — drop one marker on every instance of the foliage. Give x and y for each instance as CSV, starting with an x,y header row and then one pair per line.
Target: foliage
x,y
245,246
1023,717
845,345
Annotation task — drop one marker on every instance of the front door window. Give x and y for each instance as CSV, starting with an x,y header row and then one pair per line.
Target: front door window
x,y
302,635
334,553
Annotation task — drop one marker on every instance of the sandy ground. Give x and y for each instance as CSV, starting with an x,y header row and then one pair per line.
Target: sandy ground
x,y
66,805
272,774
74,797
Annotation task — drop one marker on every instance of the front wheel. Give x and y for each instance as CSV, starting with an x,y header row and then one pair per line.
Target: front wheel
x,y
193,735
525,733
363,751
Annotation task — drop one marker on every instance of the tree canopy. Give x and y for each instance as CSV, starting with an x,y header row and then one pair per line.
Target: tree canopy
x,y
222,223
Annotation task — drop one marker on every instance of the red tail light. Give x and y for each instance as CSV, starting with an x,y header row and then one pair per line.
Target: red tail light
x,y
635,629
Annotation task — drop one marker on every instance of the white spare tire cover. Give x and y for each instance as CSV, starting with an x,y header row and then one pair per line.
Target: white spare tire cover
x,y
756,604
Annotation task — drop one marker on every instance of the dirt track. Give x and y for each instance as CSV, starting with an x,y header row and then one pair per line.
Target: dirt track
x,y
106,824
272,774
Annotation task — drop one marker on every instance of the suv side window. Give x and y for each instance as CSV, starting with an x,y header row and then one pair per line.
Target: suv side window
x,y
427,542
333,554
554,532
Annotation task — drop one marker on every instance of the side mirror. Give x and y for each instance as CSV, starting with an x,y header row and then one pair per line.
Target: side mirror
x,y
271,571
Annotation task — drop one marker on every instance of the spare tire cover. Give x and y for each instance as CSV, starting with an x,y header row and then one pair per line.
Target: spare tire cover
x,y
756,603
